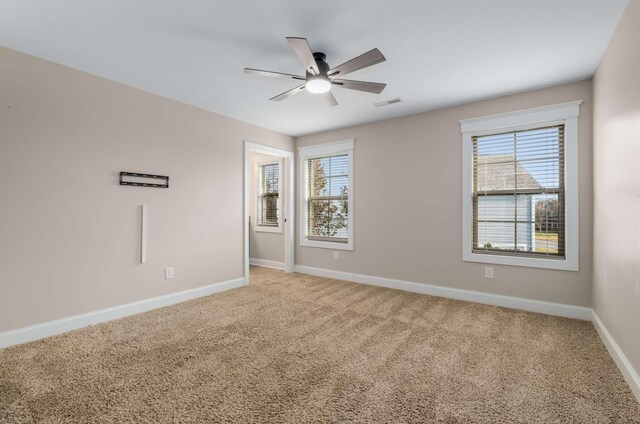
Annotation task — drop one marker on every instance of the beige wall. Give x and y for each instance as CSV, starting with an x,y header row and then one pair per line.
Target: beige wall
x,y
616,261
408,174
69,232
263,245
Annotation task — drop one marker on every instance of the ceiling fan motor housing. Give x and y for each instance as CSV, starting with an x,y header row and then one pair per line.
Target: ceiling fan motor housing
x,y
323,66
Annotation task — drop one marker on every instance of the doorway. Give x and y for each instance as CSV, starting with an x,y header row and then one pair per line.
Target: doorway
x,y
268,207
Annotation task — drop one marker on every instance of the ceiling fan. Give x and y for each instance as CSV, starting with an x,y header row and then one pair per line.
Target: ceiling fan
x,y
319,77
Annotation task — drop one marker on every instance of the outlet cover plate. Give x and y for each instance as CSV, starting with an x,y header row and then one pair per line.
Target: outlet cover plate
x,y
168,273
488,272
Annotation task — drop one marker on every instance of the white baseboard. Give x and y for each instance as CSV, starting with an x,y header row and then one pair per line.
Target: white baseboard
x,y
46,329
266,263
549,308
630,375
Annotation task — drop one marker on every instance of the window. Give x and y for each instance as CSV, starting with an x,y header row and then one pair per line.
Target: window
x,y
326,195
520,188
268,213
518,192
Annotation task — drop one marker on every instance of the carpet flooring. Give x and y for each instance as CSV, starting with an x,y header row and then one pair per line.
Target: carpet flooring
x,y
292,348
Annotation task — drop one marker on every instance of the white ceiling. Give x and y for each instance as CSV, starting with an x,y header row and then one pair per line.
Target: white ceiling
x,y
439,53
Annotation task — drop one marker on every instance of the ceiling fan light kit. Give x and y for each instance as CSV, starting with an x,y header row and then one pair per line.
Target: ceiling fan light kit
x,y
320,77
319,84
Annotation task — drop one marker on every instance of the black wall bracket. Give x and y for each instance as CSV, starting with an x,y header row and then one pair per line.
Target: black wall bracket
x,y
144,180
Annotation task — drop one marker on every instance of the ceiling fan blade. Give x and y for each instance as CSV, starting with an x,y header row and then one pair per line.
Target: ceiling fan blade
x,y
369,87
262,73
301,48
365,60
329,99
288,93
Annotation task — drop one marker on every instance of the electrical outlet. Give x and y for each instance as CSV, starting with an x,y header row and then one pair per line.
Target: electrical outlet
x,y
488,272
336,255
168,273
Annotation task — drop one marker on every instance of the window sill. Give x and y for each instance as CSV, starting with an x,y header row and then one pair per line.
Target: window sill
x,y
327,244
557,264
268,229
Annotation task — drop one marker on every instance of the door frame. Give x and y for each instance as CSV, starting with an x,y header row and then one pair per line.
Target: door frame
x,y
288,208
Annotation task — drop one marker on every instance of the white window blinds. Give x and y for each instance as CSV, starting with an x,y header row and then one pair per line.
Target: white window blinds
x,y
518,193
268,192
327,206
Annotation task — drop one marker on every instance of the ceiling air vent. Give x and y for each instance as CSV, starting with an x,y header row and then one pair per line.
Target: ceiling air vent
x,y
388,102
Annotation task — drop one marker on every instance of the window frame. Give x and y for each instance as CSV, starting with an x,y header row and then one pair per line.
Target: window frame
x,y
267,228
313,152
559,114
